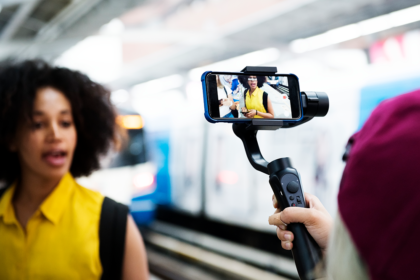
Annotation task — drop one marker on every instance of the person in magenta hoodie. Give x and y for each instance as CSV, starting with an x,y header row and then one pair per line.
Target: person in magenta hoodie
x,y
375,234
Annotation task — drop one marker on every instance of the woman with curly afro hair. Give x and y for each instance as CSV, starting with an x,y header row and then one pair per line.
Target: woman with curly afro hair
x,y
54,125
257,102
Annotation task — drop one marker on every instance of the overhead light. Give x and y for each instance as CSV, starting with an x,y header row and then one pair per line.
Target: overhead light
x,y
334,36
375,24
352,31
237,63
158,85
100,57
406,16
130,121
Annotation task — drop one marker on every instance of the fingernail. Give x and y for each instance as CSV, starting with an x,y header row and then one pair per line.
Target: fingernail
x,y
287,236
283,227
288,245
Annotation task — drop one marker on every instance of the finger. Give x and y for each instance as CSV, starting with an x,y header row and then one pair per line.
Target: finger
x,y
284,235
286,245
276,220
274,200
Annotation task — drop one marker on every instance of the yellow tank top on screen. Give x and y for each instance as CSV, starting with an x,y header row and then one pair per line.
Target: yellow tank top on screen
x,y
61,240
255,101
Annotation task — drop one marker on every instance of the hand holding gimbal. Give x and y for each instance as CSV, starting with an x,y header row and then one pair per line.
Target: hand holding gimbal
x,y
315,217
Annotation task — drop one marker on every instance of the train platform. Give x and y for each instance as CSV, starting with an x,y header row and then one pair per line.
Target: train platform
x,y
179,252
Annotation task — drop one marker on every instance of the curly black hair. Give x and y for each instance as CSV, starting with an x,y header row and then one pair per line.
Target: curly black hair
x,y
243,79
93,114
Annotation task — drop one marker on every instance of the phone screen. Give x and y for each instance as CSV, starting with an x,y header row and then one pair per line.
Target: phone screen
x,y
251,96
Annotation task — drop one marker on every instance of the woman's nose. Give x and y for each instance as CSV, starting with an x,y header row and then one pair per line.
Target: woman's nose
x,y
53,131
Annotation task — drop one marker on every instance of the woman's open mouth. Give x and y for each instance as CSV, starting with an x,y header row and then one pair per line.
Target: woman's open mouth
x,y
55,158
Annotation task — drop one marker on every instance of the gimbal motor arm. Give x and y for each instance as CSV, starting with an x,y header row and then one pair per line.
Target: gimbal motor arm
x,y
315,104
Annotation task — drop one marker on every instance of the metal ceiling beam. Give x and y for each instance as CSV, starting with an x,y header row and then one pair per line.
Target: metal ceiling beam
x,y
78,20
7,3
49,33
71,14
18,19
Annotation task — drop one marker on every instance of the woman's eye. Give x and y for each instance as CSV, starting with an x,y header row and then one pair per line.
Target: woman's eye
x,y
37,125
66,124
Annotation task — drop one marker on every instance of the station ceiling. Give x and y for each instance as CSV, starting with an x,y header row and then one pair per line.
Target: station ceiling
x,y
46,28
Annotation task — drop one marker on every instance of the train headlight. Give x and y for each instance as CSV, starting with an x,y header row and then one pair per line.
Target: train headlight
x,y
130,121
144,182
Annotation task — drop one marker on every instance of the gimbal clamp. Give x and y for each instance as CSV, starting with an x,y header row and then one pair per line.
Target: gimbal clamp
x,y
284,179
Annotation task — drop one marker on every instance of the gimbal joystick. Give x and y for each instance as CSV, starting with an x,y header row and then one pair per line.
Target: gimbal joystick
x,y
284,179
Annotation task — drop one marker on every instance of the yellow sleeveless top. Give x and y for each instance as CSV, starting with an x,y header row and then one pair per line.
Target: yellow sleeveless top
x,y
255,101
61,240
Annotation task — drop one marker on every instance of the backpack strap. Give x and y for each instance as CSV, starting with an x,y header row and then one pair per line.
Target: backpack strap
x,y
235,113
112,231
245,98
265,102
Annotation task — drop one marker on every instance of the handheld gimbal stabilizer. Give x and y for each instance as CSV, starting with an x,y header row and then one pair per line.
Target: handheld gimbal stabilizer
x,y
284,179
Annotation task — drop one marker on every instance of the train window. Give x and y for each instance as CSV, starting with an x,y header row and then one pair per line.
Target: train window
x,y
134,152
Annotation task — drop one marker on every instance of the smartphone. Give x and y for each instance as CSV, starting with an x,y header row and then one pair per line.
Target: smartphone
x,y
240,97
